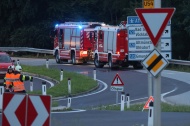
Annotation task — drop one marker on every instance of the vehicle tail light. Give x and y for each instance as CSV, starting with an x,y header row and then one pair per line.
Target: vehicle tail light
x,y
118,52
83,53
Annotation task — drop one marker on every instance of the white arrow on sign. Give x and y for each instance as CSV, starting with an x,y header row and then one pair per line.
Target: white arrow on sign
x,y
146,45
137,32
11,108
40,109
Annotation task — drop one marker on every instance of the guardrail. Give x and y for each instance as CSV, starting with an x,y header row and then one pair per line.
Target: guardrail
x,y
47,51
26,49
179,62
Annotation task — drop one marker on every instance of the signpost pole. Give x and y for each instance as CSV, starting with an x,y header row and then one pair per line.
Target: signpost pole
x,y
157,84
150,85
116,97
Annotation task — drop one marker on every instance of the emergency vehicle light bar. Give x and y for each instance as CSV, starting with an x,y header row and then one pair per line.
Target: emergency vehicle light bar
x,y
83,23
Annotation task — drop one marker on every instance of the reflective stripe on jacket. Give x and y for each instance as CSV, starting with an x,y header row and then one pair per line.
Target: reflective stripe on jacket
x,y
18,83
8,80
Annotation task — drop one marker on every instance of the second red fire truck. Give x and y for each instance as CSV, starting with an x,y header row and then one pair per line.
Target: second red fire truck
x,y
112,47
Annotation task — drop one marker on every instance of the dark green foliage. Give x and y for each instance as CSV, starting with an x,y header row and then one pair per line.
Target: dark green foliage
x,y
28,23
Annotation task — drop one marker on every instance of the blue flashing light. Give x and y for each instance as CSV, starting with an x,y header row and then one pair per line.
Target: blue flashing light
x,y
80,27
56,25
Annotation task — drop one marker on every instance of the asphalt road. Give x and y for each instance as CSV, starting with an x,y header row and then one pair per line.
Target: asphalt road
x,y
116,118
135,84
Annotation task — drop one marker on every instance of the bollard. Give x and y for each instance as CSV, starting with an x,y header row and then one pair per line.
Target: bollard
x,y
17,62
61,75
122,101
150,114
47,63
127,100
69,85
94,74
1,95
31,85
43,88
69,101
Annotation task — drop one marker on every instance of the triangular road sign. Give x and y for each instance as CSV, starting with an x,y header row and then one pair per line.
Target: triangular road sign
x,y
146,106
155,21
117,81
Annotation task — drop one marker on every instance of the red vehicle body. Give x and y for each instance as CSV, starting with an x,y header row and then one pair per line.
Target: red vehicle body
x,y
80,42
112,47
74,41
5,61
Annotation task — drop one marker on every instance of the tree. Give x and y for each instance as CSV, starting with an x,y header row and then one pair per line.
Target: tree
x,y
29,22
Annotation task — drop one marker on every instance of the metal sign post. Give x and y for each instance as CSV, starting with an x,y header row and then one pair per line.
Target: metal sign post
x,y
116,97
157,85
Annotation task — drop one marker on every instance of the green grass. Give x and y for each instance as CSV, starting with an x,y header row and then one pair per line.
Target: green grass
x,y
138,107
79,83
178,68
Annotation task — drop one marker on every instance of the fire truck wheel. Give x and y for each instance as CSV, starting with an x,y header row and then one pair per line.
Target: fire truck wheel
x,y
97,63
125,65
57,58
73,58
110,63
137,66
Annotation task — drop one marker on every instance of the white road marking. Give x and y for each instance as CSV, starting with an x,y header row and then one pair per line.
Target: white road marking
x,y
162,95
51,84
73,111
105,87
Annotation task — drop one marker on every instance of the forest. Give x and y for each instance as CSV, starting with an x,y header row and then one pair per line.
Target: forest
x,y
28,23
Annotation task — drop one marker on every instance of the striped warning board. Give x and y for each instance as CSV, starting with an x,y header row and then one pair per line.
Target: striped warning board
x,y
155,62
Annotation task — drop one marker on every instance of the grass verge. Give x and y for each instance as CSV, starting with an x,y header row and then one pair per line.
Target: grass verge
x,y
79,83
178,68
138,107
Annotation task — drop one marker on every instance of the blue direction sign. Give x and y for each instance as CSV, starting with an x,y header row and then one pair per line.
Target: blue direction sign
x,y
137,56
132,20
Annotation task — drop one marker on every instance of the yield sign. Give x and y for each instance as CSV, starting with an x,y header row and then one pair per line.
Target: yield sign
x,y
155,21
117,81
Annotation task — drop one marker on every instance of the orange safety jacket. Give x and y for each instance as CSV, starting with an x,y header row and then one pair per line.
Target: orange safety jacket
x,y
8,79
18,83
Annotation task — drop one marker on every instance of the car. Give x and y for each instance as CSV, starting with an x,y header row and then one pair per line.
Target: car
x,y
5,61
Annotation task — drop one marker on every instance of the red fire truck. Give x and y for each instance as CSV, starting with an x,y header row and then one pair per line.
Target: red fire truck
x,y
112,47
74,41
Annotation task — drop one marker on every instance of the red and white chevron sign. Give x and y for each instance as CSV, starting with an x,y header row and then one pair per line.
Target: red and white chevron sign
x,y
26,110
38,110
14,110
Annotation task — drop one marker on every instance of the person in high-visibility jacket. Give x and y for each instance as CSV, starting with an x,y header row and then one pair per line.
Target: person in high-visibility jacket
x,y
8,79
19,80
